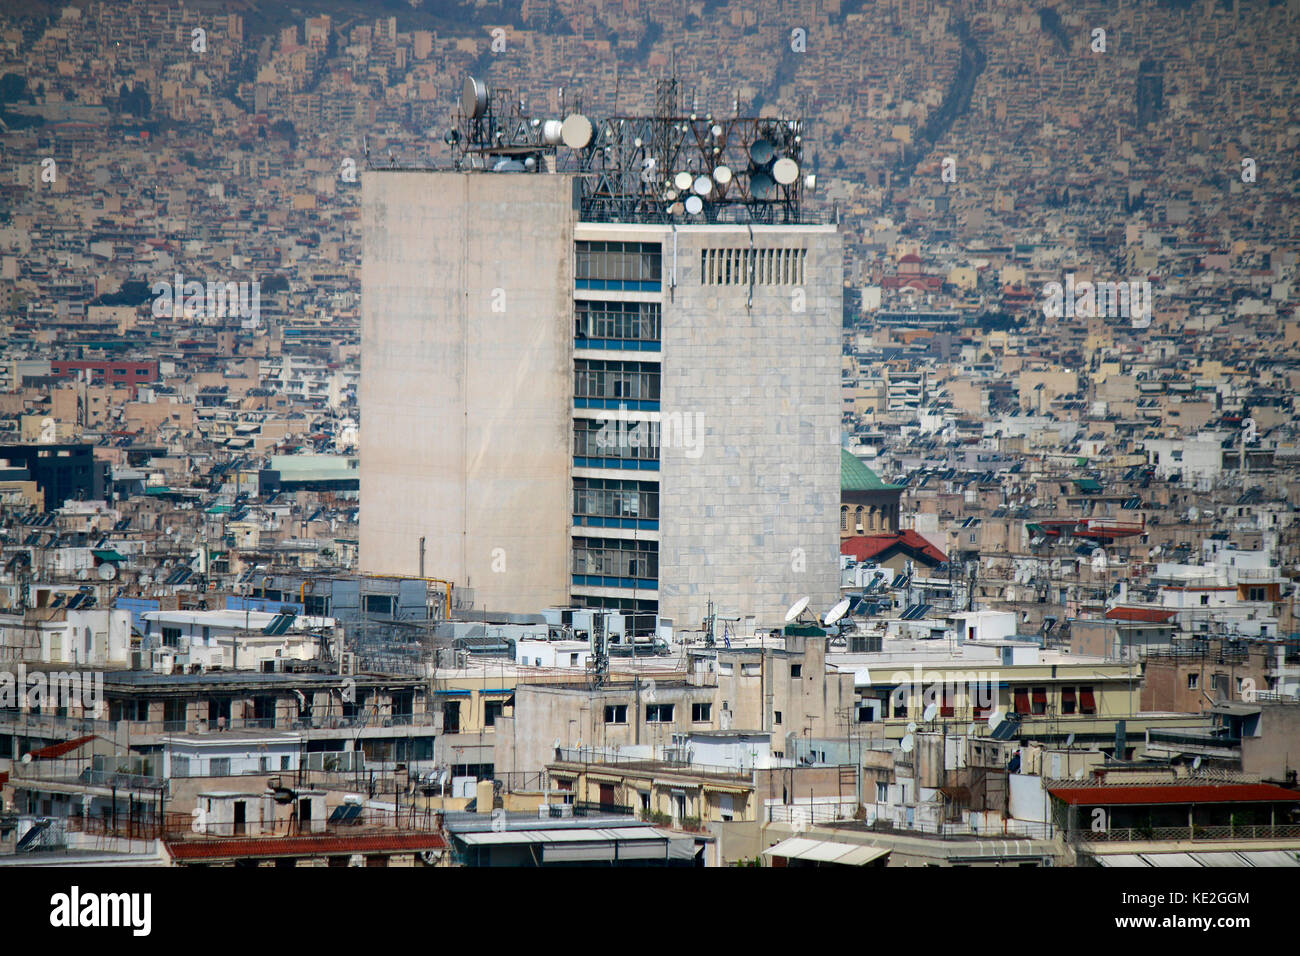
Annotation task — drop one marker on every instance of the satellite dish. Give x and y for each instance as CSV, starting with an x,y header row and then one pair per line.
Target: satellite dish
x,y
907,743
716,131
694,205
703,186
761,152
785,171
107,571
1069,740
911,726
552,132
683,181
27,758
838,611
473,98
1196,764
810,181
576,131
797,608
1033,502
761,186
931,711
1193,513
970,729
995,718
722,175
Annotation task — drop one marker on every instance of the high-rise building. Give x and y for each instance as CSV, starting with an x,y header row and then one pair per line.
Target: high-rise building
x,y
632,414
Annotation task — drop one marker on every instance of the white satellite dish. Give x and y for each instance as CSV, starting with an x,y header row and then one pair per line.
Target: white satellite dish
x,y
1069,740
107,571
694,205
837,612
717,132
703,186
722,175
1196,764
1033,502
552,132
911,726
995,718
931,712
907,743
785,171
797,608
1193,513
576,131
683,181
473,98
810,181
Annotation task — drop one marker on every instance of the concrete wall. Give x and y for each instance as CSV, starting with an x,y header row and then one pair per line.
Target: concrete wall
x,y
466,380
753,521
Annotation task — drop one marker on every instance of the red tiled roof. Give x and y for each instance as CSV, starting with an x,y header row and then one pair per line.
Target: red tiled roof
x,y
1175,793
1142,615
867,547
261,847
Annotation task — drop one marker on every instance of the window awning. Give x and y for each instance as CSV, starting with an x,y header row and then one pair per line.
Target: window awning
x,y
825,851
107,554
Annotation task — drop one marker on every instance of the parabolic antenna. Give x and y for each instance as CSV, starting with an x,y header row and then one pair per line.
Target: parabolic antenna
x,y
785,171
1196,764
761,152
694,205
683,181
995,718
552,132
931,712
761,186
473,98
911,726
107,572
1069,741
838,611
703,186
906,743
576,131
797,608
722,175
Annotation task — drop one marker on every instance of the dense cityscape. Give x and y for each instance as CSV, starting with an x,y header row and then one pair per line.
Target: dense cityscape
x,y
697,434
